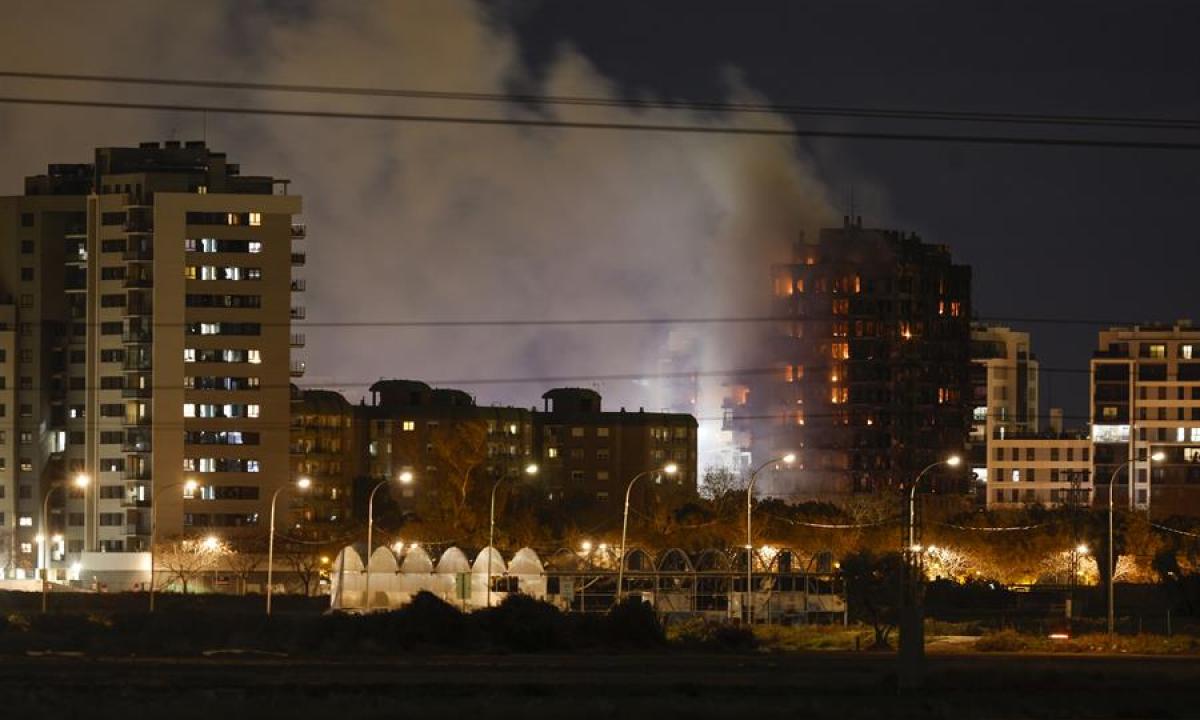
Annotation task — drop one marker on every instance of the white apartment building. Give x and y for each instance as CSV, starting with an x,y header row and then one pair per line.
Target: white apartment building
x,y
1145,399
1026,469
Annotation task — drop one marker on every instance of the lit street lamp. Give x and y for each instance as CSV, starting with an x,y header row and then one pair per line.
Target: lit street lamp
x,y
405,478
787,459
81,482
531,470
669,469
189,487
301,484
1112,567
952,461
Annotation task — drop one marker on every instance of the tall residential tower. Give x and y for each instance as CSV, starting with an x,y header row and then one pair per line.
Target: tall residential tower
x,y
146,307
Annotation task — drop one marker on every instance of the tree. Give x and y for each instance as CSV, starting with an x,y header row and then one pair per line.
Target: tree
x,y
306,566
451,462
873,590
186,559
244,560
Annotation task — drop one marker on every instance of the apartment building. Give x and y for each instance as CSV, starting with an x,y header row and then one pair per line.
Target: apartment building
x,y
593,454
151,293
1004,391
1145,399
873,366
1048,469
325,439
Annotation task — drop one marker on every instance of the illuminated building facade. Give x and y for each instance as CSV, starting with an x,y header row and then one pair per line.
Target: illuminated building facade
x,y
151,296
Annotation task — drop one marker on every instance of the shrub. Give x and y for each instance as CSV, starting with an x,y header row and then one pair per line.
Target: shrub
x,y
633,624
524,624
1003,641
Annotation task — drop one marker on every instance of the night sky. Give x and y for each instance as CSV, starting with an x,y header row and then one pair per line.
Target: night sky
x,y
443,222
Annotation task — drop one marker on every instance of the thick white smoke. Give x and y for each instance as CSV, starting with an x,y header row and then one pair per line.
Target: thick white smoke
x,y
416,221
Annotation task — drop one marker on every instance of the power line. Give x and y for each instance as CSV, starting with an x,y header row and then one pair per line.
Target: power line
x,y
1155,123
466,120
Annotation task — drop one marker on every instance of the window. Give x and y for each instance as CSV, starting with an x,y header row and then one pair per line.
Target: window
x,y
577,432
601,432
839,351
25,521
111,519
26,219
552,452
408,426
1155,351
255,219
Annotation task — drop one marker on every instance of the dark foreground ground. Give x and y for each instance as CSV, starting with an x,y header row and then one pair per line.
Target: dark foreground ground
x,y
828,685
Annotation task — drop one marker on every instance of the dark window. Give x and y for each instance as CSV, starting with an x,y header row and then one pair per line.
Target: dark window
x,y
1152,371
26,219
112,382
109,301
112,273
112,437
26,273
1189,371
112,245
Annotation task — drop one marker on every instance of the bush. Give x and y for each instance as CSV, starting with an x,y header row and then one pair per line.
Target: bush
x,y
713,636
633,624
523,624
1003,641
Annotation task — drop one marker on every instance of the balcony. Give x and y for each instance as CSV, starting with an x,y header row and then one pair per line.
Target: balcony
x,y
138,254
298,259
298,313
134,364
139,282
137,474
136,443
135,393
298,285
297,368
299,230
297,340
139,309
137,337
139,227
143,421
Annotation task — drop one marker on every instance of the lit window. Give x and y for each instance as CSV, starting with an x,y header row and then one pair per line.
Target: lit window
x,y
1180,434
189,355
189,410
26,548
252,411
1185,351
408,426
1157,351
1196,434
254,357
839,395
251,466
552,452
25,521
1016,476
189,272
840,351
255,218
254,246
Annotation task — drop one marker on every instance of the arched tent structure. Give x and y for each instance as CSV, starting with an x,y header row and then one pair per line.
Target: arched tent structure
x,y
452,564
480,579
346,585
527,568
676,583
416,573
563,559
385,579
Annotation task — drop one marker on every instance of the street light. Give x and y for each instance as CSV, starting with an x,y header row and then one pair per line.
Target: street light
x,y
189,488
531,469
404,478
301,484
1112,568
80,481
952,461
668,469
787,459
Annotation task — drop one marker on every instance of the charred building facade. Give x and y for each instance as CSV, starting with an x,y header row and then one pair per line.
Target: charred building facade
x,y
870,374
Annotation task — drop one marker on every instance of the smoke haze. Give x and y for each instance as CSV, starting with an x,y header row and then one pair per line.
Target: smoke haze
x,y
444,222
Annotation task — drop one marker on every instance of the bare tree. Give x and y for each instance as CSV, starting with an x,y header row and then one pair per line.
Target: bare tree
x,y
186,559
244,560
449,496
306,566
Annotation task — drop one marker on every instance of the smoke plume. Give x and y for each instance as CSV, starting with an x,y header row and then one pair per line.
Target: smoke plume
x,y
426,221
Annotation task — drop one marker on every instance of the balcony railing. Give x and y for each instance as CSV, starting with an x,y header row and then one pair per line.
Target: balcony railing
x,y
137,337
134,392
138,226
138,254
138,474
298,285
298,258
139,282
298,313
299,230
135,443
298,367
297,340
135,363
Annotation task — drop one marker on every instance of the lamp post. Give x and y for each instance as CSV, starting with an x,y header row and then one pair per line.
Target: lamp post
x,y
189,487
952,461
404,478
81,482
788,459
531,469
1112,567
301,484
668,469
